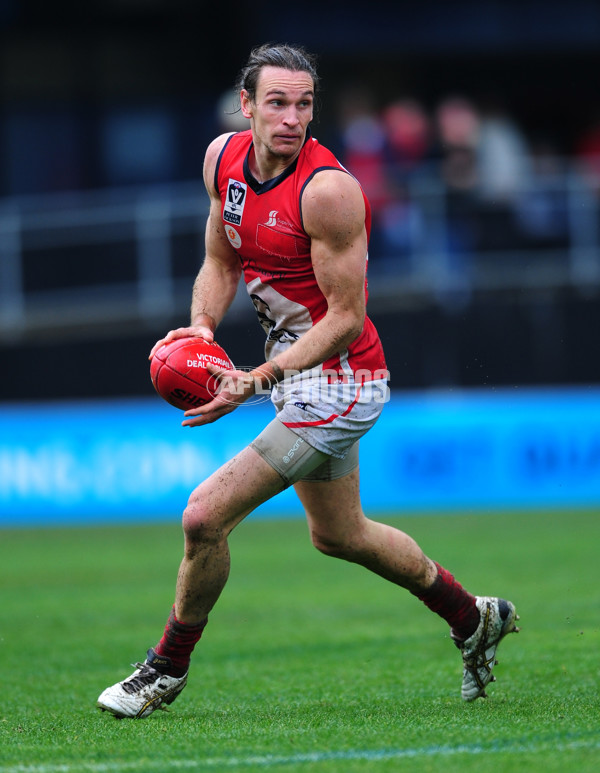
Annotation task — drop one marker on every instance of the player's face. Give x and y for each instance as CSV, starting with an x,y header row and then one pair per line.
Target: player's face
x,y
281,112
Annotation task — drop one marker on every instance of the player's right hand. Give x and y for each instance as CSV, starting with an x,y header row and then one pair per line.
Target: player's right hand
x,y
235,386
199,331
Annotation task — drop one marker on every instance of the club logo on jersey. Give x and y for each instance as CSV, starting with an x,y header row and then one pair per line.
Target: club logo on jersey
x,y
234,238
234,203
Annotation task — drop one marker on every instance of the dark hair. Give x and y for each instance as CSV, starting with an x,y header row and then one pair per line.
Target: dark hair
x,y
294,58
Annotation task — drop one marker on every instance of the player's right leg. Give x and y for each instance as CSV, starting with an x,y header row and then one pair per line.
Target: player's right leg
x,y
339,528
214,509
497,619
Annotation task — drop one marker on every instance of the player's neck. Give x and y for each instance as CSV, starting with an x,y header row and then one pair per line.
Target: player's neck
x,y
265,165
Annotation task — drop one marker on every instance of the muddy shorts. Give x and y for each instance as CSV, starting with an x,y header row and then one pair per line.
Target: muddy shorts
x,y
317,428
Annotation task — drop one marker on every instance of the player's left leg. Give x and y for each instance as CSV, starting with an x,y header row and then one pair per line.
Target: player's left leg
x,y
338,527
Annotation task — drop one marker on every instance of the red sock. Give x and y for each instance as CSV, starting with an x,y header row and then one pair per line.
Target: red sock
x,y
177,643
447,598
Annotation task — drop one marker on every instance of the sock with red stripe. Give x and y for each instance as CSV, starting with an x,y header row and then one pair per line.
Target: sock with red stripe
x,y
176,646
447,598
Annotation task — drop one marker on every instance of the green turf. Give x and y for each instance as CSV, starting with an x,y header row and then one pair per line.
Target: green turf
x,y
308,664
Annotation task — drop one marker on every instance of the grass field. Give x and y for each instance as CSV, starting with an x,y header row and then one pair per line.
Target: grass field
x,y
308,664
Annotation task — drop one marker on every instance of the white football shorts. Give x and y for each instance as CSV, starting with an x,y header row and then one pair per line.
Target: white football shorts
x,y
318,425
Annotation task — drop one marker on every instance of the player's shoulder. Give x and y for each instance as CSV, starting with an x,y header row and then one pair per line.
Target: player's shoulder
x,y
211,158
216,146
332,199
331,186
213,151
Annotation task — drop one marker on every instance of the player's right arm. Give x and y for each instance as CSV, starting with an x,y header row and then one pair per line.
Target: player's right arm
x,y
216,283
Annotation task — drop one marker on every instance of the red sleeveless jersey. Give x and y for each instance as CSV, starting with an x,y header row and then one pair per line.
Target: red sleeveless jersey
x,y
263,222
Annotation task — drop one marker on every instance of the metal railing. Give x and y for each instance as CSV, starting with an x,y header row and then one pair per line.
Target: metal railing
x,y
126,256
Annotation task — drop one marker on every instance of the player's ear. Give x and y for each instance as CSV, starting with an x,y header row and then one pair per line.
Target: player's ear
x,y
246,104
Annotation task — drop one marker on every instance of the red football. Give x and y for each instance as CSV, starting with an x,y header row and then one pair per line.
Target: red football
x,y
178,371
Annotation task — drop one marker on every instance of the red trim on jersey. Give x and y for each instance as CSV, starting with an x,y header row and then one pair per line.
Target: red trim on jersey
x,y
321,422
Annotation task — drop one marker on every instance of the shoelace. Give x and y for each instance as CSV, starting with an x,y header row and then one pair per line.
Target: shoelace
x,y
147,675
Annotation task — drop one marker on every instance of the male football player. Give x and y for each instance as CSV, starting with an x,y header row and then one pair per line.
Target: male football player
x,y
289,219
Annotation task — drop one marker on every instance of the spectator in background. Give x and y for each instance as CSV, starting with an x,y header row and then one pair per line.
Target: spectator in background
x,y
407,131
541,207
457,124
502,156
408,136
504,172
587,153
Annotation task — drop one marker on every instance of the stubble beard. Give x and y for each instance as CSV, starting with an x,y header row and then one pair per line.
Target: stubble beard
x,y
288,153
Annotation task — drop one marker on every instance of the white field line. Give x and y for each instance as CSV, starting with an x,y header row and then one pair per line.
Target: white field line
x,y
268,760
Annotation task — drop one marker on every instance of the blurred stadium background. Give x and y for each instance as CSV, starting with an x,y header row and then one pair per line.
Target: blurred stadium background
x,y
474,128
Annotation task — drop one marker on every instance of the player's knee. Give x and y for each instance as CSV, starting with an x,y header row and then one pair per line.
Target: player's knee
x,y
199,523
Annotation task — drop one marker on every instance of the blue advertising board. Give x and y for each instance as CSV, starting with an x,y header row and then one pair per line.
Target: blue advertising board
x,y
101,461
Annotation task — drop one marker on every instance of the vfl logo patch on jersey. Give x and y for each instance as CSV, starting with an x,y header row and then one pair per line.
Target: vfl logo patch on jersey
x,y
234,203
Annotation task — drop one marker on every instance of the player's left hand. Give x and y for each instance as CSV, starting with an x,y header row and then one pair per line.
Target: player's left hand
x,y
235,386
